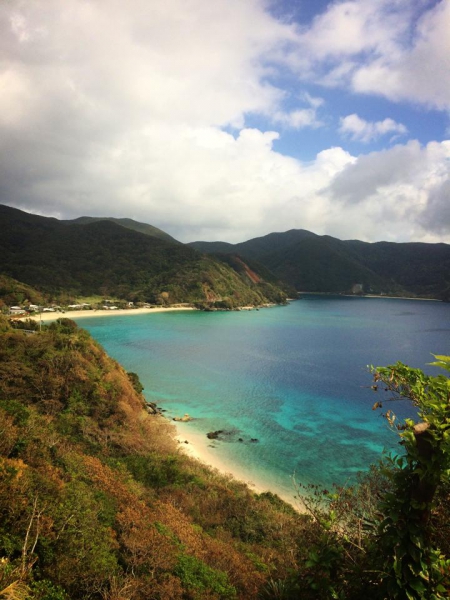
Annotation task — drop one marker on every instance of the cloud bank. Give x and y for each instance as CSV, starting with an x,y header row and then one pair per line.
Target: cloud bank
x,y
393,48
141,110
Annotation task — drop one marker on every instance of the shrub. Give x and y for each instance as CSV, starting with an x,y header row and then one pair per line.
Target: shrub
x,y
199,579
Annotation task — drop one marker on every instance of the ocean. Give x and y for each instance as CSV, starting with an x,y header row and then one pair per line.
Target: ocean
x,y
289,385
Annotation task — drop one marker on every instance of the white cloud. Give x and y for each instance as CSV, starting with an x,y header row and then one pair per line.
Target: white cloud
x,y
437,215
297,119
351,27
397,49
421,71
127,111
391,194
301,117
201,63
348,30
366,131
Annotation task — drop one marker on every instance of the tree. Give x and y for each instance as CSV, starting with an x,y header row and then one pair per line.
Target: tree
x,y
413,568
379,539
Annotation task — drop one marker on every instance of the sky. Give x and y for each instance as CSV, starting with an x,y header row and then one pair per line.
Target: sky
x,y
230,119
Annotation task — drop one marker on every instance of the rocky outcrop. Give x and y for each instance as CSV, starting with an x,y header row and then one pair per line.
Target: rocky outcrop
x,y
214,435
185,419
152,408
229,436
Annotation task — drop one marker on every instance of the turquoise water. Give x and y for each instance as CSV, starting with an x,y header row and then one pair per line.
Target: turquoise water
x,y
295,377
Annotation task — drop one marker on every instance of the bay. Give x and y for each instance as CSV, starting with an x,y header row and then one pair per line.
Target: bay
x,y
295,378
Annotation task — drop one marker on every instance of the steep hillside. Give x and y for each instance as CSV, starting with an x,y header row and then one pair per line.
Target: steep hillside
x,y
256,273
96,499
13,292
105,258
325,264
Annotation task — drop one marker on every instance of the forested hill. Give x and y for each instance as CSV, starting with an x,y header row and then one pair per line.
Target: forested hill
x,y
103,257
138,262
316,263
129,224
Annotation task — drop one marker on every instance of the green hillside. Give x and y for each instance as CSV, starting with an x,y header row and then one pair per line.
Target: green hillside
x,y
422,268
129,224
257,248
105,258
14,292
315,265
325,264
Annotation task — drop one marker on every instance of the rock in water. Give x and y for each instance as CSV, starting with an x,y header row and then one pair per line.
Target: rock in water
x,y
213,435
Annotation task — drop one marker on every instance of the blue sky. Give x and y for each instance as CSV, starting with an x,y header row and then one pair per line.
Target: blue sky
x,y
223,119
421,123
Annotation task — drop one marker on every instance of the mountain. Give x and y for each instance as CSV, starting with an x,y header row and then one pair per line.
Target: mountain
x,y
257,248
314,263
103,257
135,261
129,224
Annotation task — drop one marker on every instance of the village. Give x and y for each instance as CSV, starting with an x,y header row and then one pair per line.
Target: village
x,y
27,309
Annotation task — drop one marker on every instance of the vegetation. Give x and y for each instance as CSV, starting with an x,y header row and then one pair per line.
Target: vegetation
x,y
325,264
388,537
102,257
97,500
414,566
138,262
129,224
14,293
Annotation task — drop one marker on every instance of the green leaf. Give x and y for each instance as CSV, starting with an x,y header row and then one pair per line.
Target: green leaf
x,y
418,586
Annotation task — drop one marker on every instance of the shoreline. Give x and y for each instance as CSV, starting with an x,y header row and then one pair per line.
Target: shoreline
x,y
197,448
82,314
336,294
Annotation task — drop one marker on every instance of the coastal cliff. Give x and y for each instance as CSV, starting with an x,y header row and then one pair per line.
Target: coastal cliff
x,y
97,499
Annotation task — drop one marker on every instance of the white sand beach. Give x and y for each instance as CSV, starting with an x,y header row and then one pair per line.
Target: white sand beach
x,y
82,314
198,447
